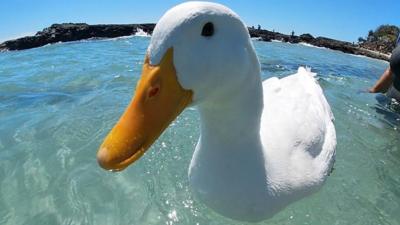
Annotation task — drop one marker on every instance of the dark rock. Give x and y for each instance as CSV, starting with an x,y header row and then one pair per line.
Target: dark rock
x,y
385,46
294,39
266,38
73,32
382,39
343,46
307,38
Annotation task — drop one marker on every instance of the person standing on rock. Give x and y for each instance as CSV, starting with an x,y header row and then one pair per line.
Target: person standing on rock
x,y
389,81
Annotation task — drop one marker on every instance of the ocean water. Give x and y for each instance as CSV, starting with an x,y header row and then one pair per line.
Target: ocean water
x,y
58,102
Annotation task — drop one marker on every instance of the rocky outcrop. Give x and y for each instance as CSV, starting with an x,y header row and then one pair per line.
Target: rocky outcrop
x,y
307,38
73,32
343,46
383,46
78,31
382,39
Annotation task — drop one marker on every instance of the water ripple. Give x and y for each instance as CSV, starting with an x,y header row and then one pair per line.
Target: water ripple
x,y
58,102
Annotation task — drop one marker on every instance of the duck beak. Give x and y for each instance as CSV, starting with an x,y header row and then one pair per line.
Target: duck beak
x,y
158,100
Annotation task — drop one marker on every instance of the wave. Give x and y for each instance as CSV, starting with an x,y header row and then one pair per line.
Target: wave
x,y
141,33
310,45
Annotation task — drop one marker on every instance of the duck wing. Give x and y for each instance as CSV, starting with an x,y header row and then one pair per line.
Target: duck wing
x,y
297,132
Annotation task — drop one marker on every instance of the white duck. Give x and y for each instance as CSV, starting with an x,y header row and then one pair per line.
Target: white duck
x,y
263,145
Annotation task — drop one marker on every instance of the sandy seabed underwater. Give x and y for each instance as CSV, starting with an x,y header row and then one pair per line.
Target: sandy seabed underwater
x,y
59,101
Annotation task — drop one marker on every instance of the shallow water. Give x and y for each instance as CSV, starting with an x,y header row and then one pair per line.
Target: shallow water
x,y
59,101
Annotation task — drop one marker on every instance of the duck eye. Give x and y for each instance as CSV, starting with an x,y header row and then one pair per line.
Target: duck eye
x,y
208,30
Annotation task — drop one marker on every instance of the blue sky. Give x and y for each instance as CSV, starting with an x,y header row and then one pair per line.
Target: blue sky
x,y
340,19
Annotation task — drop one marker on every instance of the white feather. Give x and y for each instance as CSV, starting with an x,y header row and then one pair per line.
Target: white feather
x,y
263,145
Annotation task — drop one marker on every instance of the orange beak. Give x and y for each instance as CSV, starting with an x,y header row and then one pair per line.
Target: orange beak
x,y
158,100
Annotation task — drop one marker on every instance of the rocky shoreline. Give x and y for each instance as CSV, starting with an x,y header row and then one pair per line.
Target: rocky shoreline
x,y
74,32
342,46
79,31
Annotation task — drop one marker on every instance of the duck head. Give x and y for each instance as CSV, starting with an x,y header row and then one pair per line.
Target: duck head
x,y
198,53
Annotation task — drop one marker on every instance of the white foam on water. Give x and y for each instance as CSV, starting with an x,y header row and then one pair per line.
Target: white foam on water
x,y
256,38
48,143
274,40
141,33
310,45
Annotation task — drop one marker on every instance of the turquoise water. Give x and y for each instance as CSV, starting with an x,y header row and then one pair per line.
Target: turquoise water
x,y
58,102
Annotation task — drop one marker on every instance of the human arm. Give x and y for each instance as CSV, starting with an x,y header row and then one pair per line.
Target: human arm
x,y
384,82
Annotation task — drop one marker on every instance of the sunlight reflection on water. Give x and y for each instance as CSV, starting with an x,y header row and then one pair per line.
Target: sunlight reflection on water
x,y
58,102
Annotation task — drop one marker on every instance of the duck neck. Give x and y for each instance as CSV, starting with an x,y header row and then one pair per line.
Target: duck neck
x,y
233,118
229,152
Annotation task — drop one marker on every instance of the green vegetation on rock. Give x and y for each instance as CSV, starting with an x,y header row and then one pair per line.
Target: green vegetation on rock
x,y
383,39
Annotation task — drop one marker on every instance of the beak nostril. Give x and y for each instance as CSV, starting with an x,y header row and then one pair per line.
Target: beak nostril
x,y
153,91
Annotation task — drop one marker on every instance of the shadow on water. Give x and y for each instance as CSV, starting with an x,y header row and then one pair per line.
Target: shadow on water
x,y
389,108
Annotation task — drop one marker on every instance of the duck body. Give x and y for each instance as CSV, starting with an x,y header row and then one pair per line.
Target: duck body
x,y
262,146
250,164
